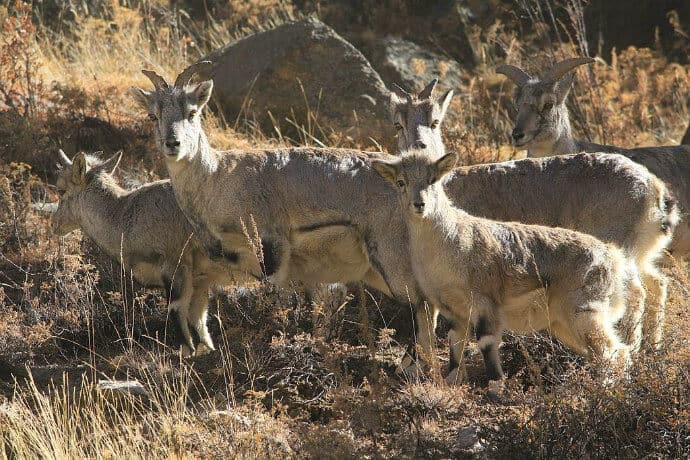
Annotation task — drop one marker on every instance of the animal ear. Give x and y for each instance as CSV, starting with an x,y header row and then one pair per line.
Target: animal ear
x,y
563,85
444,102
394,102
142,97
389,171
428,90
201,93
446,164
79,169
111,164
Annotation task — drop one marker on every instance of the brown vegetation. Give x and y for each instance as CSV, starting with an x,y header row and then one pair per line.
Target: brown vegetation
x,y
291,378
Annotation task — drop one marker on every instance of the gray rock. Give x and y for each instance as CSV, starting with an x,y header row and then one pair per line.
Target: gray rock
x,y
412,66
468,439
277,70
131,387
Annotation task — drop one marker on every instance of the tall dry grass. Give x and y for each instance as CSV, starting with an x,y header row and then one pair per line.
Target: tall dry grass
x,y
293,377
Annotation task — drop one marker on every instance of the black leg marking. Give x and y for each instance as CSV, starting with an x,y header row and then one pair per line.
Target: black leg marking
x,y
492,362
172,292
271,256
173,326
215,251
452,360
486,330
217,254
483,328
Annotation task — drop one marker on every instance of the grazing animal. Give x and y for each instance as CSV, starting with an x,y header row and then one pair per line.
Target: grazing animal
x,y
146,230
542,125
605,195
499,275
318,215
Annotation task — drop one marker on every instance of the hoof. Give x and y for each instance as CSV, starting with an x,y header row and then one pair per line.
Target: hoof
x,y
203,349
456,377
495,391
186,352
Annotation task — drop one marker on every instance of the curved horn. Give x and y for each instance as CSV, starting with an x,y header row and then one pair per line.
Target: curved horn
x,y
563,67
398,89
111,163
187,74
64,159
519,76
157,80
428,90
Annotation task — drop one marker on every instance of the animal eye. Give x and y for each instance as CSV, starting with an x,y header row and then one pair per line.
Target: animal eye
x,y
153,117
548,106
432,179
401,183
398,127
192,113
434,124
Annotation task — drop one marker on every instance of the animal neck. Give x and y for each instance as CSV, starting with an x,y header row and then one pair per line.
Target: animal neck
x,y
98,213
562,144
200,162
440,216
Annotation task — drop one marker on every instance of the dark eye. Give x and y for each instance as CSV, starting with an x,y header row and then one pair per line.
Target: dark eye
x,y
432,179
434,124
547,106
401,183
398,127
192,114
153,117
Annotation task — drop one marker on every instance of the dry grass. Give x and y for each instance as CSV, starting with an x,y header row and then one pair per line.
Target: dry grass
x,y
292,378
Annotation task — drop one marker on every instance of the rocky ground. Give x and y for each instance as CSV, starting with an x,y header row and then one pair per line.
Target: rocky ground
x,y
292,377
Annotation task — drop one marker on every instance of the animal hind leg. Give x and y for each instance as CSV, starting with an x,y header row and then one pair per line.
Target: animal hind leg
x,y
198,313
426,317
457,340
179,291
656,285
489,336
636,305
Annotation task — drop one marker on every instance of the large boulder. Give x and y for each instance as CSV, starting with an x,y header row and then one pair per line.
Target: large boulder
x,y
403,62
302,71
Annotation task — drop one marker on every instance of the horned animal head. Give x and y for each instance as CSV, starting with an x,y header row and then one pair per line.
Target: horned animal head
x,y
175,110
74,178
542,116
417,117
415,175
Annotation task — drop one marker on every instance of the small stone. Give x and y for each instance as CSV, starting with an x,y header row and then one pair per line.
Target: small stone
x,y
468,439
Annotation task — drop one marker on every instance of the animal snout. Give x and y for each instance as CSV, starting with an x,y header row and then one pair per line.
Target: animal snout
x,y
518,135
419,145
419,206
172,143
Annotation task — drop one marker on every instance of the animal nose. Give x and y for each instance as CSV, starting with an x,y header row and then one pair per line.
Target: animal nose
x,y
518,135
419,206
419,145
172,143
